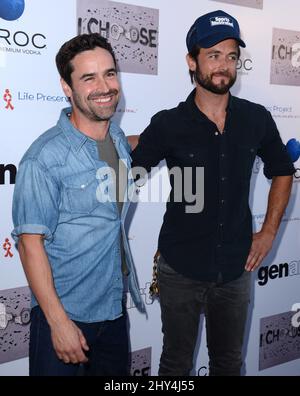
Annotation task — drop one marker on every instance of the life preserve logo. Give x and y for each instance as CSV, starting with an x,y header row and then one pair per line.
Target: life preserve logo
x,y
17,40
285,67
12,99
245,65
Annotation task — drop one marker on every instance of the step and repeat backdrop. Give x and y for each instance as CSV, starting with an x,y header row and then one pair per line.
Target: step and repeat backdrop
x,y
149,40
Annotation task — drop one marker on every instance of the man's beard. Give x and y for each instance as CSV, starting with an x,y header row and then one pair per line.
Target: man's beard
x,y
95,113
207,83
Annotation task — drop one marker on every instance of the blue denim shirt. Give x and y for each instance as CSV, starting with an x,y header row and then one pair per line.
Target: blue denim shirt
x,y
60,192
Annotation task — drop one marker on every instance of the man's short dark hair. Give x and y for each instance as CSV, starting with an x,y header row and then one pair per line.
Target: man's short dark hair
x,y
75,46
194,55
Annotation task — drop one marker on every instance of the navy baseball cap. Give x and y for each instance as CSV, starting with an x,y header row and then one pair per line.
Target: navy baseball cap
x,y
211,28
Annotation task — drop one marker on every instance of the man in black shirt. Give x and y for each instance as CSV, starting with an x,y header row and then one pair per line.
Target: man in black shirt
x,y
207,255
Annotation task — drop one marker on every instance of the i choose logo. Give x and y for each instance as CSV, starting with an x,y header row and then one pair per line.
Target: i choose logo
x,y
10,10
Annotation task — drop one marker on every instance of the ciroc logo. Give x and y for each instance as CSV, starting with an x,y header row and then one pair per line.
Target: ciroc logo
x,y
244,65
10,10
18,41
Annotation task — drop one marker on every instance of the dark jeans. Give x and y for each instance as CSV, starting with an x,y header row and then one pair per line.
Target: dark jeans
x,y
108,354
225,307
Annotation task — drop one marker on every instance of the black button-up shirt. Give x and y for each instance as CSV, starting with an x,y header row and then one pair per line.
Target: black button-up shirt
x,y
217,240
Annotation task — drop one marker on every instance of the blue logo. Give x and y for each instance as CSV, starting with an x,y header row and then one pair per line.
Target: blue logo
x,y
293,148
10,10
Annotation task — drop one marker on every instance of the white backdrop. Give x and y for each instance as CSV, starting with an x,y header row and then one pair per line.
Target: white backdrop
x,y
269,74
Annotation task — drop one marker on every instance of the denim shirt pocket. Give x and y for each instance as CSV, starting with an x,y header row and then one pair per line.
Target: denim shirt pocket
x,y
81,192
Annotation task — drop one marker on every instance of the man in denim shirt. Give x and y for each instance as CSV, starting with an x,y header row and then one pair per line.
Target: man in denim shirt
x,y
69,226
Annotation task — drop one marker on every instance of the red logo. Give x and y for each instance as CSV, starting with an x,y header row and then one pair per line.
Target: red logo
x,y
8,98
7,248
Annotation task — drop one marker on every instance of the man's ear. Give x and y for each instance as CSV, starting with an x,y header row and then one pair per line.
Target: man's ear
x,y
191,62
66,88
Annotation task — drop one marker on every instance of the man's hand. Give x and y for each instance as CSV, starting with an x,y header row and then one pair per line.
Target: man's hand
x,y
277,202
261,245
69,342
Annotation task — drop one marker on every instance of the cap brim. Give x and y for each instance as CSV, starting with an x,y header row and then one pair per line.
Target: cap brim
x,y
210,41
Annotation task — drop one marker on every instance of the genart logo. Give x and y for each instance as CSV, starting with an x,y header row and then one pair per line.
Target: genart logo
x,y
10,10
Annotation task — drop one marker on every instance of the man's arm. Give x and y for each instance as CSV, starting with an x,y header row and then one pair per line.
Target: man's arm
x,y
262,241
152,146
68,340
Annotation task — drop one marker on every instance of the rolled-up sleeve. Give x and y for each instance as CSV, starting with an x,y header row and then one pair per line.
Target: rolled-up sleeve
x,y
273,152
35,201
152,147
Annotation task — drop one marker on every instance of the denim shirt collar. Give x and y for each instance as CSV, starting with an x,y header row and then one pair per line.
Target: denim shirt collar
x,y
76,138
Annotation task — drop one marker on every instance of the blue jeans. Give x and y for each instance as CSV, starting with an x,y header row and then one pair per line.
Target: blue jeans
x,y
225,307
108,354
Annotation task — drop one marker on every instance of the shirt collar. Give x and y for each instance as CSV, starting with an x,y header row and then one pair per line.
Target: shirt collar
x,y
194,110
76,138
